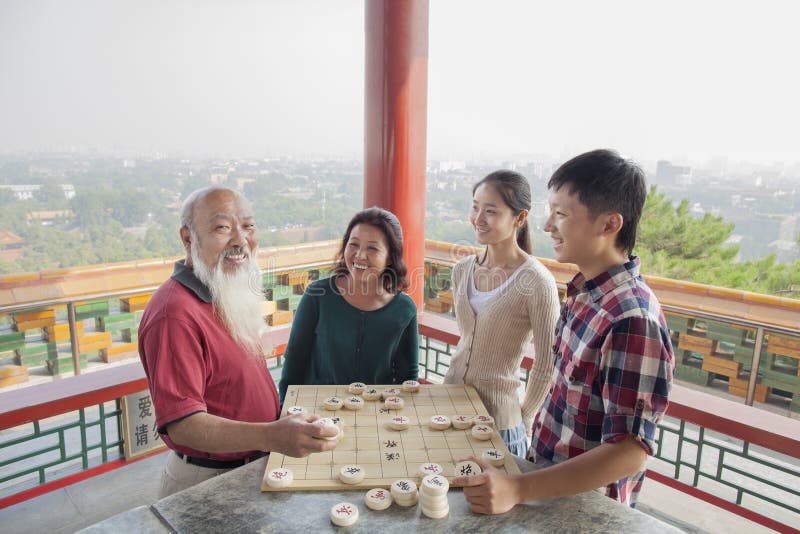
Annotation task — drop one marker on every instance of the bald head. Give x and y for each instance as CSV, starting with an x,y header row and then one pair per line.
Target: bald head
x,y
218,222
199,195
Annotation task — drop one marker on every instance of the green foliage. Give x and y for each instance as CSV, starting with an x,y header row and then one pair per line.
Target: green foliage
x,y
117,222
51,194
99,233
6,197
458,233
673,244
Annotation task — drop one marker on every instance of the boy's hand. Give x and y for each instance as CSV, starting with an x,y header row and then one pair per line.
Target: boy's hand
x,y
491,492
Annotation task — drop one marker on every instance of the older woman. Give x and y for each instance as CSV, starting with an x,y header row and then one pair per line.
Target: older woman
x,y
357,325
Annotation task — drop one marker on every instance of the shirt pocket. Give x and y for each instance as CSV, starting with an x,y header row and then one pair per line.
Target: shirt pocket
x,y
579,391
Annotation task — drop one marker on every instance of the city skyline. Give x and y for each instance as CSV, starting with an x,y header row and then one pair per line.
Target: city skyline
x,y
684,82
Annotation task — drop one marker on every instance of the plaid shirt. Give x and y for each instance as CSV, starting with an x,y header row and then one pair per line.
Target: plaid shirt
x,y
613,372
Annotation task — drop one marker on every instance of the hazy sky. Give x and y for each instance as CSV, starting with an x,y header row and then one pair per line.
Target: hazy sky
x,y
673,79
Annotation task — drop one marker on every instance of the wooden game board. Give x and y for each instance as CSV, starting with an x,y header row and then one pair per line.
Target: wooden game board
x,y
387,454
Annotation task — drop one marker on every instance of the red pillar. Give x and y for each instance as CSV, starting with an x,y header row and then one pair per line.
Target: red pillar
x,y
395,119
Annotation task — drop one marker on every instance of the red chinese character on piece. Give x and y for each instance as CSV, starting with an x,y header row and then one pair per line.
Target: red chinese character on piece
x,y
430,468
279,474
379,494
482,429
344,510
440,419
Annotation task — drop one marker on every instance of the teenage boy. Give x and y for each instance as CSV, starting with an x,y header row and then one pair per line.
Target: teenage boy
x,y
613,360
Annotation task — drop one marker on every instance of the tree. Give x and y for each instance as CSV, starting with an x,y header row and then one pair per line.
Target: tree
x,y
50,194
7,197
673,244
90,208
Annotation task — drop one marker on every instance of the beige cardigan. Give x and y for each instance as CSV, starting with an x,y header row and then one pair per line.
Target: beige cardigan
x,y
493,342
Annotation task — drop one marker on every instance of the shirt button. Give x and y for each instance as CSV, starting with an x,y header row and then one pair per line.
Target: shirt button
x,y
551,390
640,404
571,379
539,424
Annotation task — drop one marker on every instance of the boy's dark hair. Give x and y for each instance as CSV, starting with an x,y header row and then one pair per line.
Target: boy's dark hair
x,y
394,276
606,182
516,193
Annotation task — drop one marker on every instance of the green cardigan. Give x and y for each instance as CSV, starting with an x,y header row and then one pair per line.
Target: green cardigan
x,y
332,342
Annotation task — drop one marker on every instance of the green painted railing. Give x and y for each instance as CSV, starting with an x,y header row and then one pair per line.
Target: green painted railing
x,y
710,350
706,348
760,484
42,451
733,469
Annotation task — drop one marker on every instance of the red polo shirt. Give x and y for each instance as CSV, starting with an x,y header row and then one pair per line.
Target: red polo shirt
x,y
194,365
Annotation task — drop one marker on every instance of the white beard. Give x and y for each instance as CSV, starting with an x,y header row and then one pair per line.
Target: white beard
x,y
236,298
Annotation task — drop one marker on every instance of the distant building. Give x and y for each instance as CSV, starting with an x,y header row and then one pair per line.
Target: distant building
x,y
28,191
49,217
22,192
788,229
669,174
451,165
10,246
69,190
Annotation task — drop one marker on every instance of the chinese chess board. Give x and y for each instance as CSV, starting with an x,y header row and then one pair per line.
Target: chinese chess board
x,y
387,454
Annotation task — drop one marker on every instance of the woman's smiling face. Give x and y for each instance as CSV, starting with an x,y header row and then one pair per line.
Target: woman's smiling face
x,y
367,252
493,220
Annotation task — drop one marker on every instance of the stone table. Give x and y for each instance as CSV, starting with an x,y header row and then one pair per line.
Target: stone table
x,y
234,503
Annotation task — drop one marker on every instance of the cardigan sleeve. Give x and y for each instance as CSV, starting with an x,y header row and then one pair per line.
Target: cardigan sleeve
x,y
298,351
406,357
543,309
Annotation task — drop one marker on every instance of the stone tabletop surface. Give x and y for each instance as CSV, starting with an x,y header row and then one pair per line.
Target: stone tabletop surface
x,y
139,519
234,503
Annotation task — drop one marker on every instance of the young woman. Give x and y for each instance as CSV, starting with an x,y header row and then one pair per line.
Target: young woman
x,y
503,298
357,325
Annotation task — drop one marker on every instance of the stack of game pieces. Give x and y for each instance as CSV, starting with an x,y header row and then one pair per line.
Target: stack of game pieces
x,y
344,514
404,492
378,499
433,496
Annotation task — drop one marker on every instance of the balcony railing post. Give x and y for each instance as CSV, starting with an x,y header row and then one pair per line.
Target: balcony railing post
x,y
73,337
751,384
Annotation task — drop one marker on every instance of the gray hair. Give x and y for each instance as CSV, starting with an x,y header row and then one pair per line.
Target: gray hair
x,y
187,208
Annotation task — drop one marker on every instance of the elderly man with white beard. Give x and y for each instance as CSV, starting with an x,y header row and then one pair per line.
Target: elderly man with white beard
x,y
216,404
